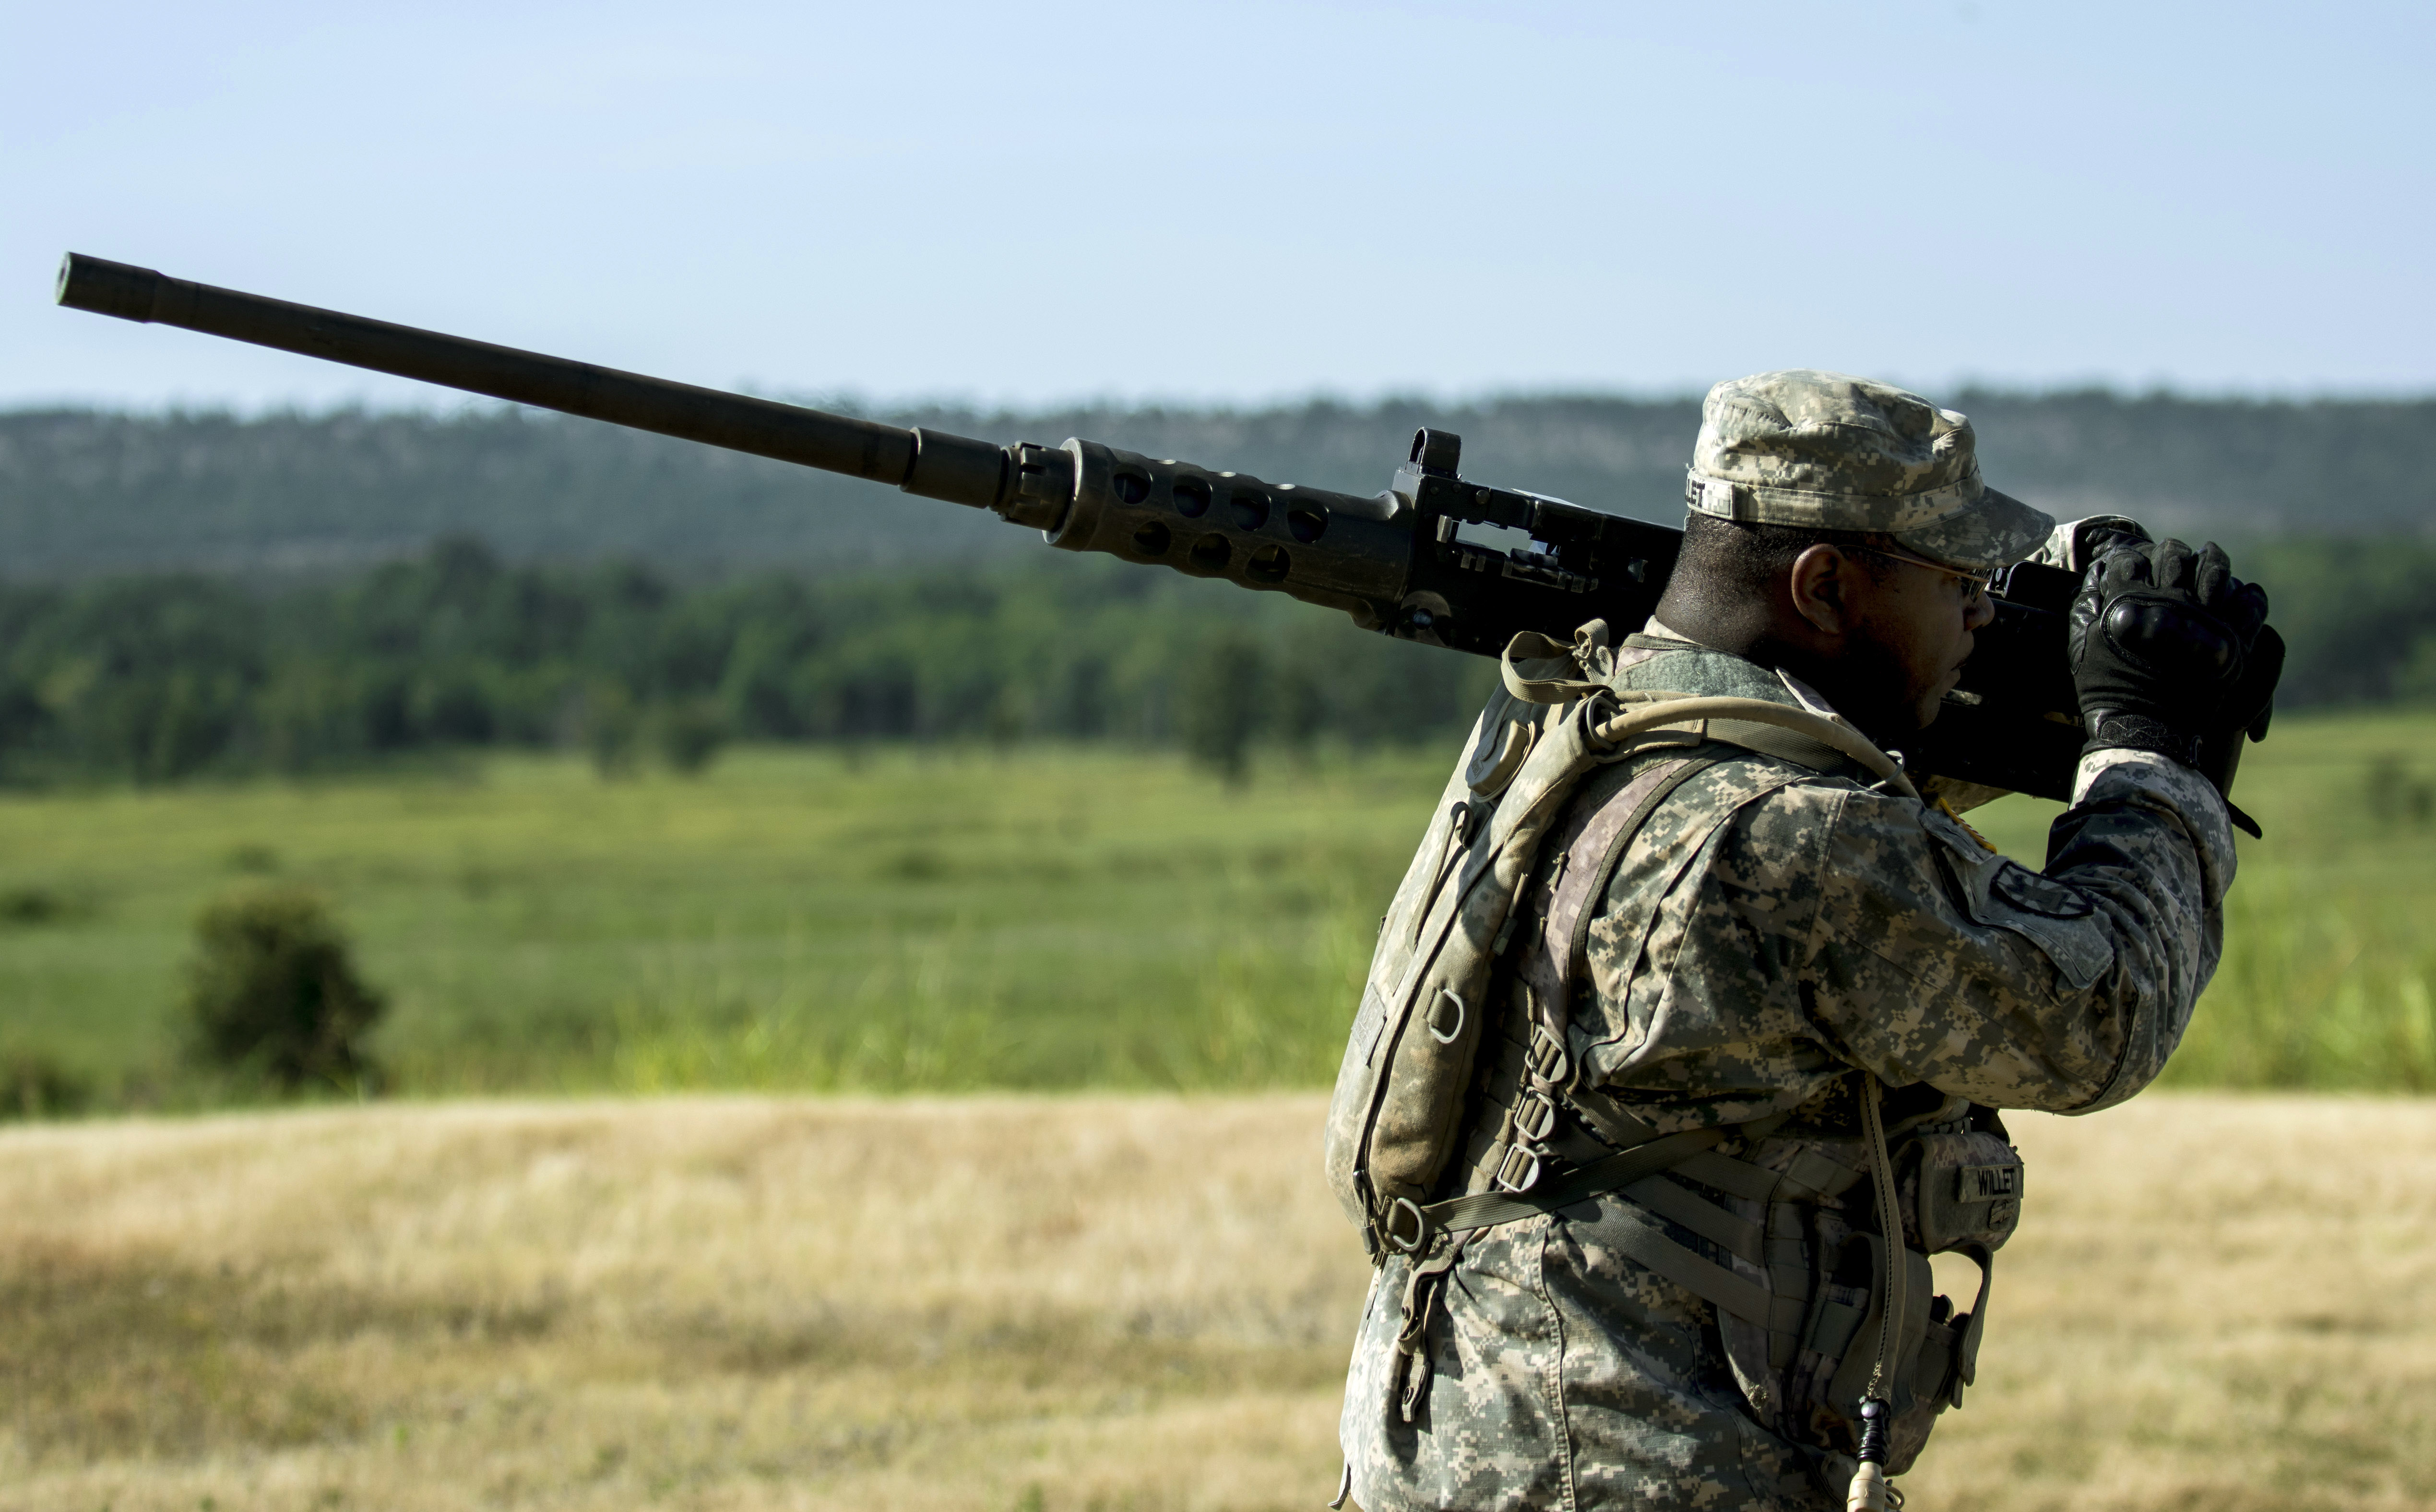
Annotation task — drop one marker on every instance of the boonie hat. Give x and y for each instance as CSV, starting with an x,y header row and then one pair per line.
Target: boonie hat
x,y
1836,453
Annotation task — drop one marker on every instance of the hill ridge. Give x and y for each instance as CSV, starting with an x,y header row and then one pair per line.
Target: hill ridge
x,y
86,491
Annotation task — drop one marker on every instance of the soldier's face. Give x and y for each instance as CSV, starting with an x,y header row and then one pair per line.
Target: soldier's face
x,y
1921,624
1896,633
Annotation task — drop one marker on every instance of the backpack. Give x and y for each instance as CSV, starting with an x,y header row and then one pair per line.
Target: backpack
x,y
1434,1069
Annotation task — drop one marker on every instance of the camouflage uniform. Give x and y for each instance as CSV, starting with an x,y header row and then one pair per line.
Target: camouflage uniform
x,y
1774,927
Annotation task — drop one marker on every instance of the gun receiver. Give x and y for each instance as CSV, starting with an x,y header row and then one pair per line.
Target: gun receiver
x,y
1399,562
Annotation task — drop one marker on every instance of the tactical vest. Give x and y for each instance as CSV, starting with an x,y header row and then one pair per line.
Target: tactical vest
x,y
1460,1104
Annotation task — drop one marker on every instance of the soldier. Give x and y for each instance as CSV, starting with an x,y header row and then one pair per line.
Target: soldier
x,y
1751,996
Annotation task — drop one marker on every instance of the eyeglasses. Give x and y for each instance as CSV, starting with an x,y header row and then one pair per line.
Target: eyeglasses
x,y
1974,583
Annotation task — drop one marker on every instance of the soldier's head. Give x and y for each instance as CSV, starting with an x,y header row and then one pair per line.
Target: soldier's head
x,y
1839,528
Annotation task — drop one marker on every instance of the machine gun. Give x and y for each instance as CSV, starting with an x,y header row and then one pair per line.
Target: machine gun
x,y
1399,562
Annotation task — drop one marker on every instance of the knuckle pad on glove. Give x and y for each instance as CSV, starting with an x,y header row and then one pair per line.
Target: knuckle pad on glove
x,y
2172,565
2212,578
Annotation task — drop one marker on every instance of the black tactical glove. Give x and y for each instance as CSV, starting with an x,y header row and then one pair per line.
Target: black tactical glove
x,y
2161,640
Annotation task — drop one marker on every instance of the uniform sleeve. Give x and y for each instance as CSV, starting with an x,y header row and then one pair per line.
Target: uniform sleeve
x,y
1933,960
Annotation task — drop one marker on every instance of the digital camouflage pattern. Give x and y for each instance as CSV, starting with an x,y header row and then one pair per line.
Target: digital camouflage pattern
x,y
1773,927
1567,1376
1827,452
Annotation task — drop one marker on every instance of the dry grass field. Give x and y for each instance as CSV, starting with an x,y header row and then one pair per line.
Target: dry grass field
x,y
2219,1302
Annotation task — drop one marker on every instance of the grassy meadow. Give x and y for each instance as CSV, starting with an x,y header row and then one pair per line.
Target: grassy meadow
x,y
1045,918
904,920
1107,1299
1066,1304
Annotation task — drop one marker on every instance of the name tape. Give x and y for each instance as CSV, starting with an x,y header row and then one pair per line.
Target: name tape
x,y
1987,1182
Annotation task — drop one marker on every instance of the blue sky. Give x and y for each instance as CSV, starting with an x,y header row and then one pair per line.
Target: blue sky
x,y
1238,202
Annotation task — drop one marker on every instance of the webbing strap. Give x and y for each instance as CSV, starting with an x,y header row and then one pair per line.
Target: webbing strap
x,y
1638,1173
1607,1117
1771,739
1626,1175
1413,1365
1483,1209
1569,932
1531,646
1603,829
1669,1199
1827,1178
1639,1176
1680,711
1738,1177
1646,1243
1967,1368
1834,1330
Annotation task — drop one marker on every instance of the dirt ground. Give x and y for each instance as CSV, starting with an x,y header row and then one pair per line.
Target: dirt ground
x,y
2217,1302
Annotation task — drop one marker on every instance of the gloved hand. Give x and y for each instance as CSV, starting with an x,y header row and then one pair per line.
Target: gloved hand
x,y
2160,636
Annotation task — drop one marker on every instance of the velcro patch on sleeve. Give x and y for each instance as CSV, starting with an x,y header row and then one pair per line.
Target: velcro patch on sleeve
x,y
2035,892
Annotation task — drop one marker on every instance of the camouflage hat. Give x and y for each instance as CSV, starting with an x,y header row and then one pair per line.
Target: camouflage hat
x,y
1836,453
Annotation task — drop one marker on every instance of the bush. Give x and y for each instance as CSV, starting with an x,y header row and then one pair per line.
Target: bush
x,y
33,1086
690,735
612,729
1222,705
2394,793
35,904
272,992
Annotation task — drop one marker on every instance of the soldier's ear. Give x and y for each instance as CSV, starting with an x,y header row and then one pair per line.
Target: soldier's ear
x,y
1822,586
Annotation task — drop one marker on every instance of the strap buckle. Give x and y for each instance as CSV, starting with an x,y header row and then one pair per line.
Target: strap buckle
x,y
1439,1015
1405,1226
1547,1060
1519,1171
1463,819
1535,1117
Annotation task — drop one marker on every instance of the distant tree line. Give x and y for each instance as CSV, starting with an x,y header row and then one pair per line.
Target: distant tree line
x,y
154,678
84,492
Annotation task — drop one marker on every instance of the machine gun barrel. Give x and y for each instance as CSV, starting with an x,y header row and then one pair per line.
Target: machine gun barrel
x,y
1400,562
1080,495
837,443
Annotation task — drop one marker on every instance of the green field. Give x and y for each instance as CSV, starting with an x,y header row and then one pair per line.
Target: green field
x,y
1042,917
1048,918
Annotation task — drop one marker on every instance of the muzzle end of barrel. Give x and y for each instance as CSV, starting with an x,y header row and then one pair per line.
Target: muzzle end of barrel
x,y
106,287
